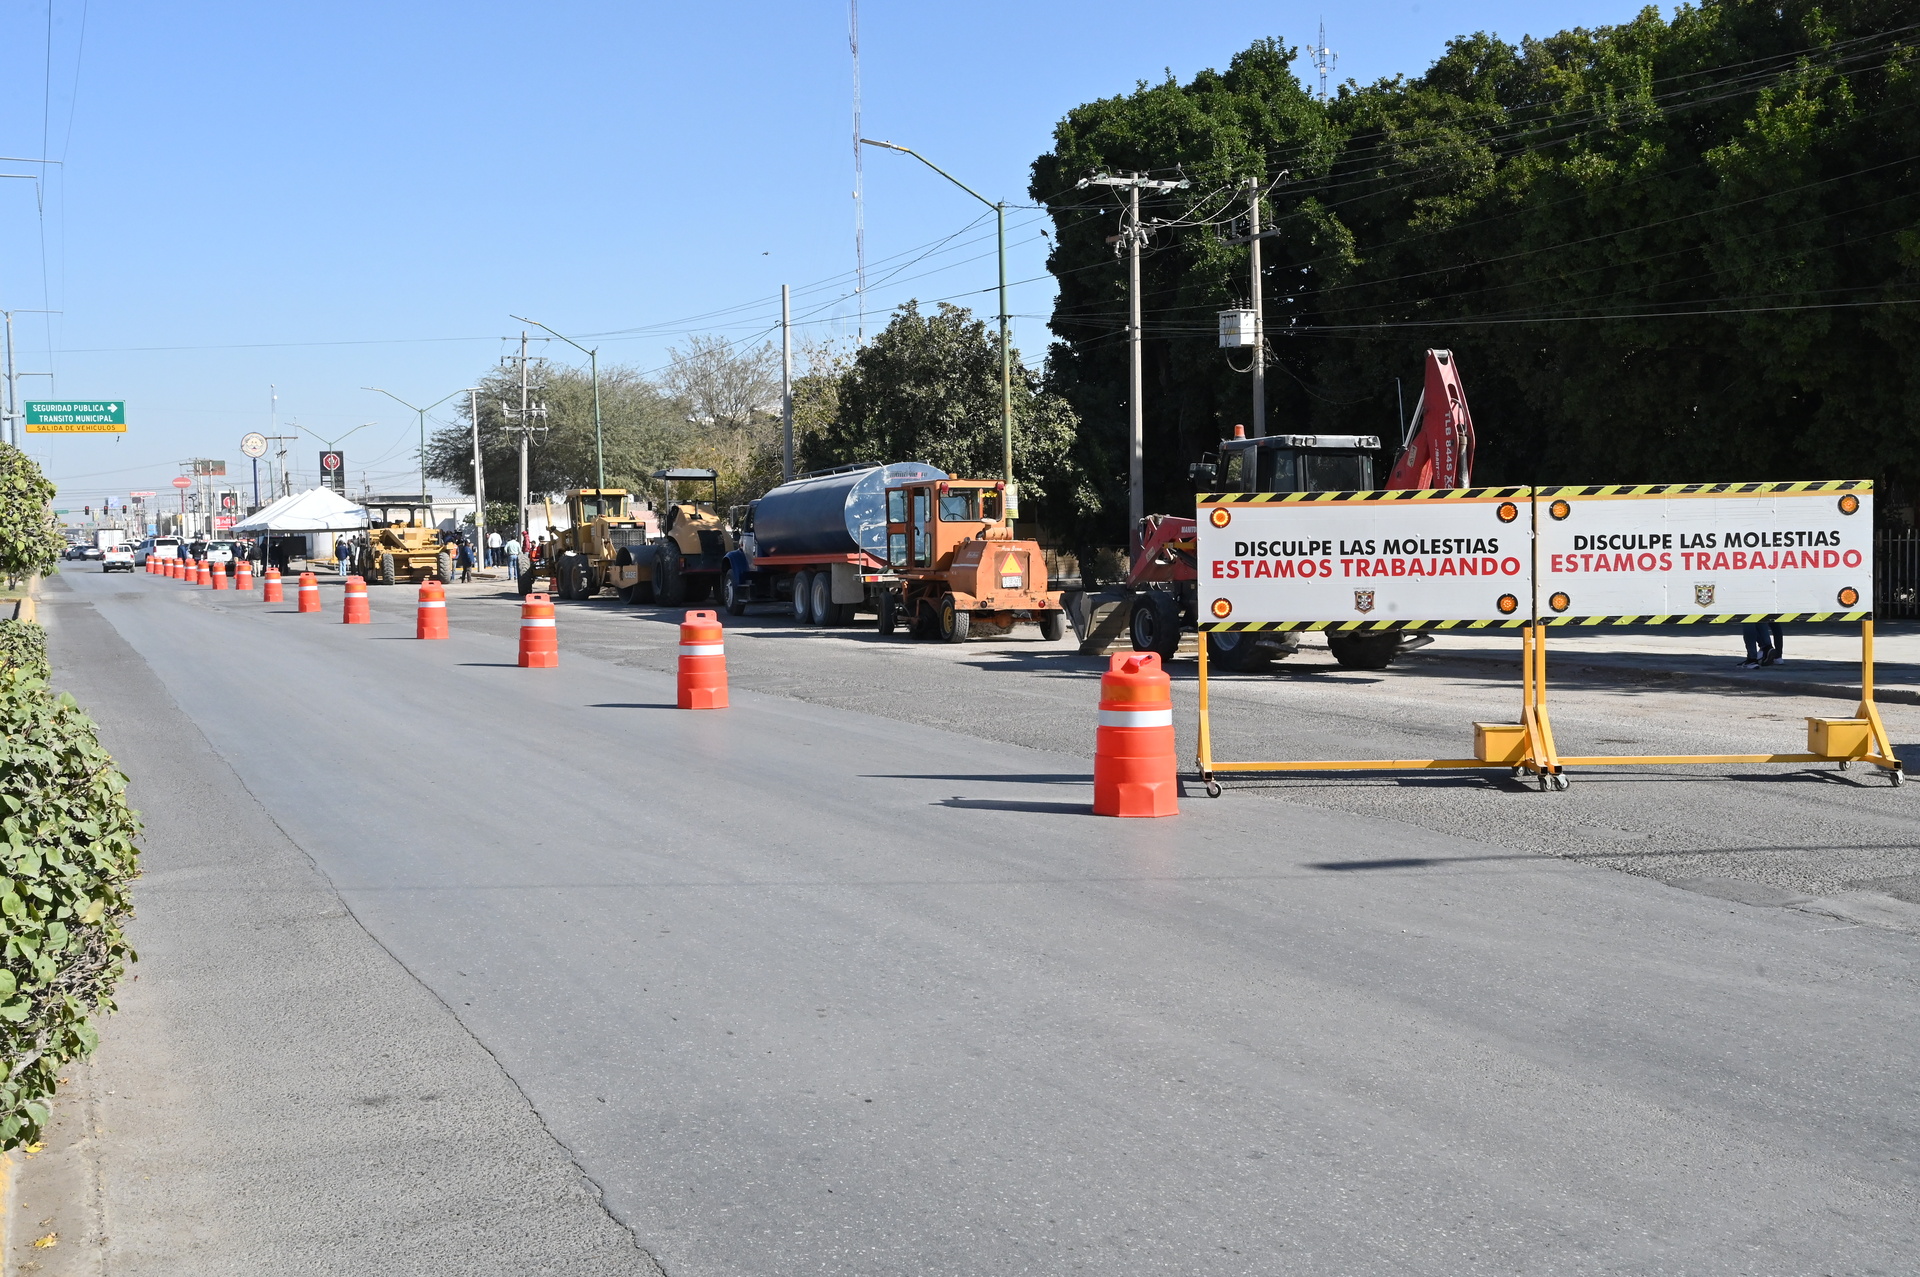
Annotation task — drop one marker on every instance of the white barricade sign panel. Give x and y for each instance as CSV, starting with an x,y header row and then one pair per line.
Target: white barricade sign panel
x,y
1680,553
1438,558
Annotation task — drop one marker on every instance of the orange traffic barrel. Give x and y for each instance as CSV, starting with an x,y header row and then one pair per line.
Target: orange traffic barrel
x,y
1133,761
356,611
243,576
703,662
204,574
432,623
309,593
270,592
170,567
179,572
217,575
539,640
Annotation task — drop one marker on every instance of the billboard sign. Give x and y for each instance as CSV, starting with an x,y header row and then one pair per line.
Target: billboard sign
x,y
1705,552
1437,558
333,470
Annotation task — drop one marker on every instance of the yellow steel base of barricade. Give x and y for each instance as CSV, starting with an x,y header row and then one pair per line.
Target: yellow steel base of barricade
x,y
1539,755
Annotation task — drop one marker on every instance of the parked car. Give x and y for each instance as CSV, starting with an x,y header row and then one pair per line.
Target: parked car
x,y
211,551
157,548
117,557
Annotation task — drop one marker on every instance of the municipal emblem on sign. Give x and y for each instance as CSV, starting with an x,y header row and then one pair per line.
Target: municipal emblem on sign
x,y
1363,600
1703,594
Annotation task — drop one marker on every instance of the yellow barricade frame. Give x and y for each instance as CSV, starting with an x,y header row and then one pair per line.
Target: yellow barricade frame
x,y
1540,756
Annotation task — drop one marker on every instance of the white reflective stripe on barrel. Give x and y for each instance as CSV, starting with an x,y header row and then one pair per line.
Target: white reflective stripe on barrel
x,y
1136,718
352,595
703,649
433,602
535,620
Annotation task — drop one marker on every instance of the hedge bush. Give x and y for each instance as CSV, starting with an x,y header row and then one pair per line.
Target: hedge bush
x,y
23,647
30,540
67,861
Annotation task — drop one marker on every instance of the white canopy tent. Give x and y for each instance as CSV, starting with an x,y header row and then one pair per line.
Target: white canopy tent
x,y
315,510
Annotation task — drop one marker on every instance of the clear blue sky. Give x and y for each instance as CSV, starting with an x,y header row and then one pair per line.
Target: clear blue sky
x,y
325,197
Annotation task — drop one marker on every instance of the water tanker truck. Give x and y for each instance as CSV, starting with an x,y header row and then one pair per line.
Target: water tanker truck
x,y
906,542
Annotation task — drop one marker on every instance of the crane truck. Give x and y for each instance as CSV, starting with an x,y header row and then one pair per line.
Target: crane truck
x,y
1159,601
917,547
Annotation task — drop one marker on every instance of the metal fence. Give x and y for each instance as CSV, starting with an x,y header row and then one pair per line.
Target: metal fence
x,y
1896,562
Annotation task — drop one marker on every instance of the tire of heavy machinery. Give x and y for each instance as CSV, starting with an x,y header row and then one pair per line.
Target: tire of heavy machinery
x,y
443,567
642,592
802,597
526,582
821,610
386,569
626,594
1154,625
698,588
1237,653
733,594
669,582
563,578
889,611
1363,651
583,580
1053,625
954,623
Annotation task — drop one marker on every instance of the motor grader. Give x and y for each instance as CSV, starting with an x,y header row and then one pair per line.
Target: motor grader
x,y
402,543
607,545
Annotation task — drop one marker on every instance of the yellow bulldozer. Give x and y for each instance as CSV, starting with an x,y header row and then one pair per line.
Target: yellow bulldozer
x,y
607,546
402,543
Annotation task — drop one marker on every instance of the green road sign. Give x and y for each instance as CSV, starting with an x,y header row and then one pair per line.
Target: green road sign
x,y
75,416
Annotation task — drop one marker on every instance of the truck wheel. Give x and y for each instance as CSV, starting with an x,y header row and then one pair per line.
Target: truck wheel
x,y
822,611
443,567
699,587
669,581
803,597
1363,651
1236,652
386,569
1155,623
1053,625
889,611
954,623
733,595
563,578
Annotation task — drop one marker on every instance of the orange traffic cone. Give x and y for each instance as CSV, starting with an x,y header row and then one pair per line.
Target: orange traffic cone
x,y
243,576
703,662
356,611
432,623
309,593
1133,762
270,591
539,642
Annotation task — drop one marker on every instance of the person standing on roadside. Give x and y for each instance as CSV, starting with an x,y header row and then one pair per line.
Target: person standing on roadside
x,y
1765,644
513,559
342,552
493,549
466,562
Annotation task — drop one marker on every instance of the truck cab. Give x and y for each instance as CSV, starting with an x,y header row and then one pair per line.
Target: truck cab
x,y
958,565
1291,463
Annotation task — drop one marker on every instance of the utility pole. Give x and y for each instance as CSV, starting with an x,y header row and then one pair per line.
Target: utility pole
x,y
13,411
524,418
1259,311
1131,236
479,481
786,387
593,359
859,181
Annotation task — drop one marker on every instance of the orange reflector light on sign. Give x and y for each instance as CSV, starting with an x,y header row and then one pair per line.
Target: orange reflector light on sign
x,y
1508,605
1849,504
1559,602
1849,596
1508,512
1219,518
1222,608
1559,509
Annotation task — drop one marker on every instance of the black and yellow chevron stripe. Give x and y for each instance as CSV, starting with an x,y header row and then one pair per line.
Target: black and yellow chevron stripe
x,y
1704,618
1360,627
1704,489
1389,495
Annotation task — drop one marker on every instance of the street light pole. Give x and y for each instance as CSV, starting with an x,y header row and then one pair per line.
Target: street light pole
x,y
593,362
479,481
423,428
1006,348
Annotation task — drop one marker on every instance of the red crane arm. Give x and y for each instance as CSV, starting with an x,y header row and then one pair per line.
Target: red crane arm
x,y
1440,452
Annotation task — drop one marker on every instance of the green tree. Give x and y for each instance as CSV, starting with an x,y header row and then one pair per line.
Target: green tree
x,y
927,388
30,540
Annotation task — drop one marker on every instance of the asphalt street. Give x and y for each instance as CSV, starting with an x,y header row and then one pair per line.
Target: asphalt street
x,y
846,979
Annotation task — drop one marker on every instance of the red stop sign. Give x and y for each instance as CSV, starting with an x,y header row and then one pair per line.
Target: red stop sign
x,y
181,481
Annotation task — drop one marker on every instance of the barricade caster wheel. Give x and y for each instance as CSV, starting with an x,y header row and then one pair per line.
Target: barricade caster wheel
x,y
1518,772
1561,780
1846,765
1213,788
1899,776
